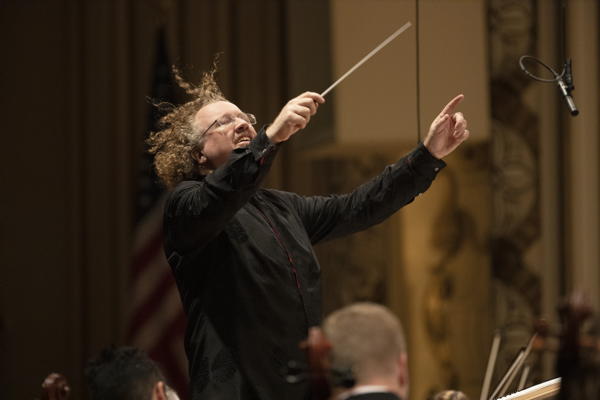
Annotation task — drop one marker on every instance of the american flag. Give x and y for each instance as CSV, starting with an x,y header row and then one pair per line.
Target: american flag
x,y
157,320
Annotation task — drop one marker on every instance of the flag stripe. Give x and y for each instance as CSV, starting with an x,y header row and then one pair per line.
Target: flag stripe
x,y
157,320
149,224
154,300
143,288
151,328
151,250
169,349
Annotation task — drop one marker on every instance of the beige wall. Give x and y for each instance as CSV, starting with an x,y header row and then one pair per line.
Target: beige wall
x,y
378,102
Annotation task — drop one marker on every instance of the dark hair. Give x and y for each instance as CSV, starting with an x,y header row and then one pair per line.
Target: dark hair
x,y
122,373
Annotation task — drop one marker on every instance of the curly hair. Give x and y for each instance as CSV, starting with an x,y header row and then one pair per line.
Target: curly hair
x,y
121,373
174,144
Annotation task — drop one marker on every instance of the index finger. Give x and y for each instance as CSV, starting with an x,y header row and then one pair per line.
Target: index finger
x,y
449,109
316,97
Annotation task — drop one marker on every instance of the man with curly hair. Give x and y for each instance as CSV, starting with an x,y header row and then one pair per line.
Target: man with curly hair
x,y
243,256
126,373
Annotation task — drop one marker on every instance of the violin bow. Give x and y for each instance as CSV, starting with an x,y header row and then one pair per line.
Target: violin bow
x,y
485,389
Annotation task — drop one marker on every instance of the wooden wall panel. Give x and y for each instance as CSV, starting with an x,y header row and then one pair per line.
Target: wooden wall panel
x,y
67,221
38,296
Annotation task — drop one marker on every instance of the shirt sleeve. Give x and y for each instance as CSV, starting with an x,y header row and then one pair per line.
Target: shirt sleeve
x,y
197,211
328,217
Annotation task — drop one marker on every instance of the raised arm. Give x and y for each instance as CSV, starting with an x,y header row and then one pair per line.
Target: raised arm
x,y
294,116
447,131
198,210
327,217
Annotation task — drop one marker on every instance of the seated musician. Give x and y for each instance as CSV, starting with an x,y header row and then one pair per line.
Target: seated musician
x,y
368,344
126,373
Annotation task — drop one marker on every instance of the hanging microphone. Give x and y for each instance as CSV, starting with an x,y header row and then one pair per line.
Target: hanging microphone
x,y
564,80
567,87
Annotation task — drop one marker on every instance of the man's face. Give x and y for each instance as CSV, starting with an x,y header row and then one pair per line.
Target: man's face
x,y
232,130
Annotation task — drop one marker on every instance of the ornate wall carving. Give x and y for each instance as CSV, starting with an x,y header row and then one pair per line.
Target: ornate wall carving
x,y
515,180
454,307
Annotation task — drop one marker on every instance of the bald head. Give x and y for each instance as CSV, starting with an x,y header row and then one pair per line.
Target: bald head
x,y
367,339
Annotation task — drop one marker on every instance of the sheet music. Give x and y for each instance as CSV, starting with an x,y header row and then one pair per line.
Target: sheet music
x,y
540,391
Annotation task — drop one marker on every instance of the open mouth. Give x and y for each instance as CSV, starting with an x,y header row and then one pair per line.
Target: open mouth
x,y
243,140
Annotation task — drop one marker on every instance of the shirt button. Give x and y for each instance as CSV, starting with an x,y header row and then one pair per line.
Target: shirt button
x,y
436,169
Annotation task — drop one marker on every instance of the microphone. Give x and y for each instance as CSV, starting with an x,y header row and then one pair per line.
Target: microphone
x,y
567,87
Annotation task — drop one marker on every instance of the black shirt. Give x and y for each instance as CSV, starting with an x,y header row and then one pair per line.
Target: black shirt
x,y
246,269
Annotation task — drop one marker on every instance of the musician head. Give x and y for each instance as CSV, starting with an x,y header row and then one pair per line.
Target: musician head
x,y
126,373
367,339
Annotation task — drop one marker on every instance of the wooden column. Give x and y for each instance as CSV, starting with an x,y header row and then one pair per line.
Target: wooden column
x,y
583,200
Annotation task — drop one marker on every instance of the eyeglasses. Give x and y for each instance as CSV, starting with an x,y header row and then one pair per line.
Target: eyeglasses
x,y
230,119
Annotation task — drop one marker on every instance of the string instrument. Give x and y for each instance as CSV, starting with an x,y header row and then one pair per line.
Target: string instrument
x,y
578,366
324,380
55,387
577,351
317,349
577,358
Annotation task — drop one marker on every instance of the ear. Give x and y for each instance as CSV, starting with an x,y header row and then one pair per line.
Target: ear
x,y
158,391
199,157
403,375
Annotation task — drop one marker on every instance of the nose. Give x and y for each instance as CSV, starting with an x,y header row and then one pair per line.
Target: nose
x,y
241,125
